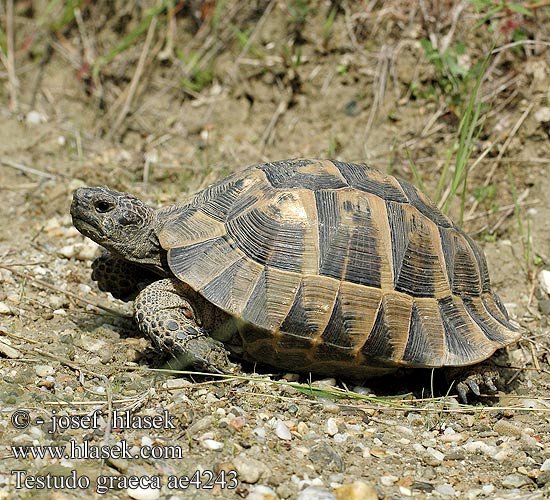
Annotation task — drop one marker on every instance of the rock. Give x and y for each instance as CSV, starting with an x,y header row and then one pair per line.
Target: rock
x,y
262,493
545,467
516,481
7,350
358,490
331,427
388,480
44,370
325,458
249,469
544,306
436,454
281,430
542,115
5,309
212,444
505,428
200,425
143,493
544,281
446,490
316,493
35,117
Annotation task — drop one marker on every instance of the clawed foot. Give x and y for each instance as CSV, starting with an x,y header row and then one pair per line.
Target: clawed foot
x,y
474,380
202,353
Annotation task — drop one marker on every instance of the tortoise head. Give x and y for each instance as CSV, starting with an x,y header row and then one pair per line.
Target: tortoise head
x,y
119,222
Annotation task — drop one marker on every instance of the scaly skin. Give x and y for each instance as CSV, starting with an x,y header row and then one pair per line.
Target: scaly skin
x,y
172,316
122,279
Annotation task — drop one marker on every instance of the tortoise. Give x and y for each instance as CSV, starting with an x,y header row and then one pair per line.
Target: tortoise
x,y
305,265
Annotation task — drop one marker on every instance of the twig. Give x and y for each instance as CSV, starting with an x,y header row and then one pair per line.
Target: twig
x,y
379,89
281,108
520,42
24,168
135,79
257,29
509,212
10,46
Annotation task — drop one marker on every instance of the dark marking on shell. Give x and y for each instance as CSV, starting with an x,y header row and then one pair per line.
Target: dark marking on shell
x,y
361,177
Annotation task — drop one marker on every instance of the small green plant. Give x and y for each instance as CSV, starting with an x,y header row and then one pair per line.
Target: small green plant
x,y
333,146
451,77
462,148
485,194
328,25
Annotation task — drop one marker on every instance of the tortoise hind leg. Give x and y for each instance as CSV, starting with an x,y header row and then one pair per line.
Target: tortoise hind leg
x,y
473,379
122,279
165,311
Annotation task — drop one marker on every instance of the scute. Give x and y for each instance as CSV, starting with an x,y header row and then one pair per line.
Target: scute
x,y
335,267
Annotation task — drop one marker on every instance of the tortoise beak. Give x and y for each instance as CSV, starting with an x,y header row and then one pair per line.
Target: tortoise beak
x,y
86,217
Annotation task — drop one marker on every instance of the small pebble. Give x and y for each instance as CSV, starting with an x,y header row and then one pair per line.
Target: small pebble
x,y
281,430
544,281
44,370
316,493
35,118
505,428
249,469
143,493
446,489
388,480
545,467
5,309
358,490
542,115
262,493
516,481
212,444
331,427
8,351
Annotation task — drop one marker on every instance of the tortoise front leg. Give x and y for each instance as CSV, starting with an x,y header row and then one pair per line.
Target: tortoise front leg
x,y
122,279
173,316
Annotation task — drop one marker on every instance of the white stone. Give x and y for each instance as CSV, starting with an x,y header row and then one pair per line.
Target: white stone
x,y
44,370
281,430
545,467
389,480
212,444
436,454
331,427
143,493
544,281
316,493
542,115
249,469
5,309
341,437
261,492
35,118
446,489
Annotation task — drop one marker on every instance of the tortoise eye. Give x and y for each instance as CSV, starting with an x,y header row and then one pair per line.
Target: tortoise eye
x,y
103,206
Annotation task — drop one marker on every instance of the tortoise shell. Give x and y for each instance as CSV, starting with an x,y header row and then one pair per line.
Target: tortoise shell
x,y
335,265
